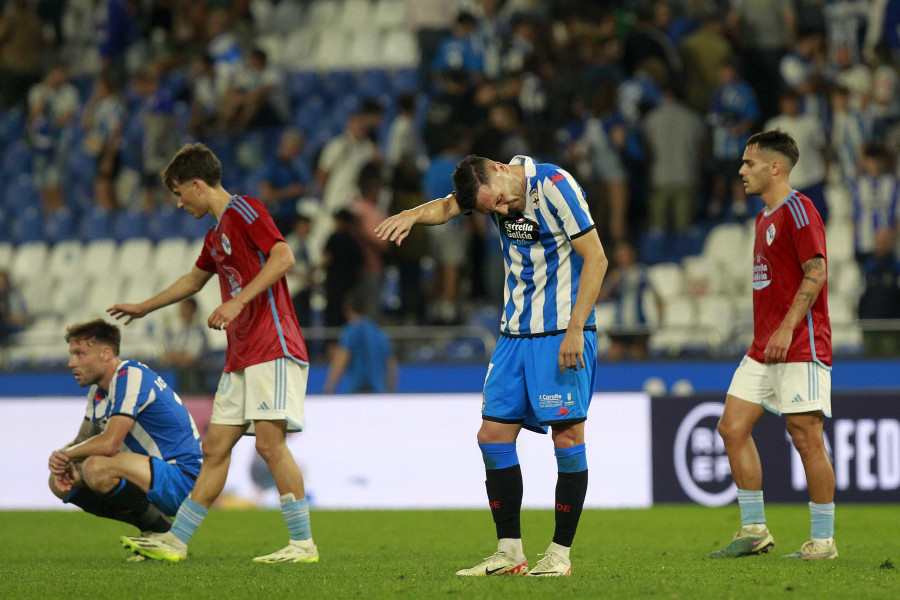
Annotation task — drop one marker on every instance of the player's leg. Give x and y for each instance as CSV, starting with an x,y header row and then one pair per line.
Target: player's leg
x,y
503,414
745,403
121,482
271,444
805,392
276,392
172,545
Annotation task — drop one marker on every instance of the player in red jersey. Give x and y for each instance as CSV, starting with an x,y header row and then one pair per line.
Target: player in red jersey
x,y
264,381
788,368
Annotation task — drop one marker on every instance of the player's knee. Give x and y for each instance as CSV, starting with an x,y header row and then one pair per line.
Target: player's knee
x,y
92,470
731,431
269,450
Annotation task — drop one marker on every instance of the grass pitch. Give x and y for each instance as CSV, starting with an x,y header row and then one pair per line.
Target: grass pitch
x,y
654,553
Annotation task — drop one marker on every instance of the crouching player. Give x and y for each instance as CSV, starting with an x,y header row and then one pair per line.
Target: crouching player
x,y
137,453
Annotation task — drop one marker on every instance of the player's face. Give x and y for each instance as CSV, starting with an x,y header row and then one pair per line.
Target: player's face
x,y
756,171
504,194
188,195
86,361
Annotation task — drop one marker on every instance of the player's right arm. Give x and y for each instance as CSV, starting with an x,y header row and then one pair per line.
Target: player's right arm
x,y
396,228
187,285
59,461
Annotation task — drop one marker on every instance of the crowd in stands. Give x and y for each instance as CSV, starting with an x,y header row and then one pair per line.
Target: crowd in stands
x,y
648,103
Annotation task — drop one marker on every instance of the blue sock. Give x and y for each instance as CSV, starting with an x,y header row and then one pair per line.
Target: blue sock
x,y
571,460
822,517
296,517
499,456
188,519
753,511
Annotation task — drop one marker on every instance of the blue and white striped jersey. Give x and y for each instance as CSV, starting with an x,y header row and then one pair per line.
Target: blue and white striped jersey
x,y
875,204
542,268
162,427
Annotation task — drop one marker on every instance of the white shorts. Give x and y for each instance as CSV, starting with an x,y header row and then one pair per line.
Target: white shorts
x,y
269,391
794,387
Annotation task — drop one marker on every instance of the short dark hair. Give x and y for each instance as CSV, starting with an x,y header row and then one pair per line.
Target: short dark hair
x,y
471,173
776,140
193,161
97,330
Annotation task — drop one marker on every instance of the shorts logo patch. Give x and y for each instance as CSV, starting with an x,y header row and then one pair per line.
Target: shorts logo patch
x,y
563,411
550,400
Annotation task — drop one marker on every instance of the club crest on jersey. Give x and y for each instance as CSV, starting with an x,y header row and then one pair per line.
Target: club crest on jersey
x,y
226,244
535,198
521,231
770,234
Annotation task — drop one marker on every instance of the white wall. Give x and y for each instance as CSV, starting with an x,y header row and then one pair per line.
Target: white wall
x,y
386,451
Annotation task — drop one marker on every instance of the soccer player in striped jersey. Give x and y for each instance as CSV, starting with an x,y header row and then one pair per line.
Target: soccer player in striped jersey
x,y
137,453
541,373
788,367
263,386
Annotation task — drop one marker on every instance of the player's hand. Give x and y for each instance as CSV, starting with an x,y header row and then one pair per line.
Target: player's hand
x,y
396,228
777,348
571,352
132,311
63,483
58,462
224,314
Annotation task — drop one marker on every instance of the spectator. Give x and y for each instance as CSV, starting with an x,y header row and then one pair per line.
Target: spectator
x,y
102,122
881,298
885,89
431,21
342,158
732,114
704,53
22,45
368,215
364,352
13,312
52,105
675,138
341,259
301,275
257,96
406,193
850,129
811,171
876,199
802,71
285,178
206,98
629,286
452,107
159,136
187,346
647,41
461,50
403,142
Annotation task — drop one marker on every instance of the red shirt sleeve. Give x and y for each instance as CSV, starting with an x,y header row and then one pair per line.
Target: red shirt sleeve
x,y
809,241
262,231
205,261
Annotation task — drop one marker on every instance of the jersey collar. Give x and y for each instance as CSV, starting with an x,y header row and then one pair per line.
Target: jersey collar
x,y
227,206
791,195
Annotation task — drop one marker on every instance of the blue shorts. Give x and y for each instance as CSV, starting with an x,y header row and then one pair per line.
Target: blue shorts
x,y
169,485
524,384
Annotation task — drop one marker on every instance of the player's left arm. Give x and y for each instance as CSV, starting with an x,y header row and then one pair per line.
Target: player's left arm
x,y
815,274
279,262
589,248
105,444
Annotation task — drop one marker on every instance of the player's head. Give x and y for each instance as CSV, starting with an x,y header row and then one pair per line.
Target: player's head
x,y
93,347
192,169
768,158
487,186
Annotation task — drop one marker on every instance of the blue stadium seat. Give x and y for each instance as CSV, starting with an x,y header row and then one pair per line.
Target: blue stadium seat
x,y
95,224
81,168
163,223
309,113
12,126
302,85
465,349
342,110
374,83
17,159
192,228
129,224
60,225
654,247
690,241
338,84
21,194
79,195
406,80
26,226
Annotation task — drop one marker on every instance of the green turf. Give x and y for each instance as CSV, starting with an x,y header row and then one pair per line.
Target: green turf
x,y
655,553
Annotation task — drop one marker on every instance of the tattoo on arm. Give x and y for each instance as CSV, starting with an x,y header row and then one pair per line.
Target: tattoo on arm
x,y
813,279
815,263
807,297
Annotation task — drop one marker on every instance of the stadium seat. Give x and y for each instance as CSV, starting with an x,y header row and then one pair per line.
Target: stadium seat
x,y
364,48
12,125
99,257
301,86
59,225
725,244
273,45
192,228
309,114
96,224
26,226
163,223
323,14
356,15
65,259
390,14
29,260
21,194
102,292
845,280
286,17
6,254
16,160
129,223
715,320
399,48
69,294
840,240
667,279
329,51
678,329
405,80
134,255
208,298
81,168
39,293
170,259
654,247
373,83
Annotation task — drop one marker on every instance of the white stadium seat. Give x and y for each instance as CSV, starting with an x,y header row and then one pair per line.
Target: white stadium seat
x,y
29,261
38,293
725,244
169,258
715,318
667,279
390,14
323,14
65,259
6,254
134,255
400,48
678,326
839,240
364,48
69,294
99,257
357,15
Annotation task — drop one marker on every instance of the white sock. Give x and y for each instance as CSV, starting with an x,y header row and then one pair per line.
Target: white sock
x,y
557,549
824,541
511,546
754,528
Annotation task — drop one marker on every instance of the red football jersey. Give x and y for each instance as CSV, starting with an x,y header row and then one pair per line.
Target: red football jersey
x,y
236,249
786,238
